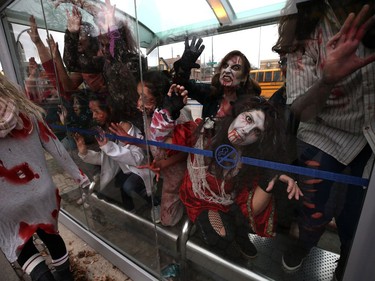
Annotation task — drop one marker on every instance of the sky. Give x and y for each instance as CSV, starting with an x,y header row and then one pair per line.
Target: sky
x,y
255,43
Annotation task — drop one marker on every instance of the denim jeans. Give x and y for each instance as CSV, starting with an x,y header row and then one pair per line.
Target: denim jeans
x,y
132,184
317,209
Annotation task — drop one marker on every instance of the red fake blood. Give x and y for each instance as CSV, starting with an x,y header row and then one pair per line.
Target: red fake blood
x,y
25,131
45,132
55,213
26,230
20,174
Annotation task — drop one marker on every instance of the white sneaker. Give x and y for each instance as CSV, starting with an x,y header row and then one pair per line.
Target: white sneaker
x,y
155,214
83,200
80,201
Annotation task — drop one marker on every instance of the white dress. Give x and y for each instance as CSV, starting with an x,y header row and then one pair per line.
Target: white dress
x,y
28,197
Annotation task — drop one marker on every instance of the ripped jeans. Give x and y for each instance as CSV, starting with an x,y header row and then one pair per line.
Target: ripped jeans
x,y
318,206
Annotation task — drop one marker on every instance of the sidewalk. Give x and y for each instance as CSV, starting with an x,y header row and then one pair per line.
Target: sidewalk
x,y
7,272
87,264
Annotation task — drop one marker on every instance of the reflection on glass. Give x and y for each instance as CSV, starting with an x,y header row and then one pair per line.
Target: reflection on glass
x,y
331,136
109,98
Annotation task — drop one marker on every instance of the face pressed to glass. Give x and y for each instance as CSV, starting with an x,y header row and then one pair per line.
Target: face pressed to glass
x,y
76,106
147,101
231,72
247,127
99,115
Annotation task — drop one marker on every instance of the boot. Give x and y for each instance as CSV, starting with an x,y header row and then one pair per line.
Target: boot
x,y
62,272
245,246
41,273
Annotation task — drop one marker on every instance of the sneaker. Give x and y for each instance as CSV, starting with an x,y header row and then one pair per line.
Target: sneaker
x,y
94,184
155,214
293,259
82,199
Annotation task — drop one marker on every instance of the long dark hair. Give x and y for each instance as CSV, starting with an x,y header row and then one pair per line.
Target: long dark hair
x,y
90,31
245,70
102,101
114,110
296,28
249,86
270,145
158,83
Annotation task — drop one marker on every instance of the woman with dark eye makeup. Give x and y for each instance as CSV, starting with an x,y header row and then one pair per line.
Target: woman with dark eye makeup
x,y
224,198
231,82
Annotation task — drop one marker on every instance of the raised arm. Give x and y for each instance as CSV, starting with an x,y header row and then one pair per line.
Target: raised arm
x,y
71,39
340,62
43,51
163,120
51,143
66,81
183,66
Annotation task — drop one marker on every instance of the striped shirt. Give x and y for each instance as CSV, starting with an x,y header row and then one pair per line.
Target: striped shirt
x,y
346,123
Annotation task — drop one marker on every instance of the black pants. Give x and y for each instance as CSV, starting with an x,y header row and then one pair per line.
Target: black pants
x,y
235,224
53,242
130,185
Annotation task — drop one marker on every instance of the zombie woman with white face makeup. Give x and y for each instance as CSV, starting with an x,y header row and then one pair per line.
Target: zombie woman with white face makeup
x,y
231,82
228,201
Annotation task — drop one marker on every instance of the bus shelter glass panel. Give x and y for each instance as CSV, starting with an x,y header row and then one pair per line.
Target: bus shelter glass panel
x,y
82,64
36,74
224,188
214,151
103,53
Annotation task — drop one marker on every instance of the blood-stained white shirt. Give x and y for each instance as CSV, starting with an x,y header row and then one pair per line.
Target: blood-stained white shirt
x,y
29,199
346,123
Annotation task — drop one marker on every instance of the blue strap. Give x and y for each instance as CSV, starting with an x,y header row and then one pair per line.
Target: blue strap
x,y
318,174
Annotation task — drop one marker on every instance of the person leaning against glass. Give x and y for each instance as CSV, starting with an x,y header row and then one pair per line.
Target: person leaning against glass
x,y
29,199
330,77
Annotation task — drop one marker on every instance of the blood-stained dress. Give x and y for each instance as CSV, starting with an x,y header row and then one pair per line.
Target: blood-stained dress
x,y
262,224
29,198
172,209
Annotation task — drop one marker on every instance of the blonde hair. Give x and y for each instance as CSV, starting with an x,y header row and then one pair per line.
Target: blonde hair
x,y
13,92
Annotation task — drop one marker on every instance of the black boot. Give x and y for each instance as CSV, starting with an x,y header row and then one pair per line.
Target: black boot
x,y
245,246
41,273
62,272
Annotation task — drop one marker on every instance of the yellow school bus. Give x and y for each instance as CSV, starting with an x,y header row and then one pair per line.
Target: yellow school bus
x,y
269,80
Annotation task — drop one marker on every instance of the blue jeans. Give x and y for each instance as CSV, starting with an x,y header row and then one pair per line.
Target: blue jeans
x,y
131,184
316,209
